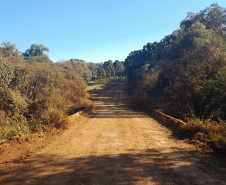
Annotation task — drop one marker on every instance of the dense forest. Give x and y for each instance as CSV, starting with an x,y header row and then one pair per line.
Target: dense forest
x,y
184,73
37,94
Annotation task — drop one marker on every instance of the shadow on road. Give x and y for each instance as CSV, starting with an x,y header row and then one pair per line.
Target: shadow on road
x,y
114,103
134,167
149,166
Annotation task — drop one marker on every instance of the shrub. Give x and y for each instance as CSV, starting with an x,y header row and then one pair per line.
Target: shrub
x,y
34,93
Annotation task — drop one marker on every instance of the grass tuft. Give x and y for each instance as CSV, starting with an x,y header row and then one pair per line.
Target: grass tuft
x,y
215,131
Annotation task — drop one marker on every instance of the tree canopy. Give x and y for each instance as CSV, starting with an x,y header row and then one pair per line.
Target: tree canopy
x,y
36,50
182,73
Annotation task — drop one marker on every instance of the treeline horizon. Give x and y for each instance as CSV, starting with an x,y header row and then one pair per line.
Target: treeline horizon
x,y
185,73
94,71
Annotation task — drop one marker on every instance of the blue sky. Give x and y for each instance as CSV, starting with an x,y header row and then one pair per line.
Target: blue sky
x,y
92,30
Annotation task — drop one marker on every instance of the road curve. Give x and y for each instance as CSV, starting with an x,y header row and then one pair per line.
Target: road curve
x,y
115,145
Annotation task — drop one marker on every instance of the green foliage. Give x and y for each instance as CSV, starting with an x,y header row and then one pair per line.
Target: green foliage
x,y
213,93
34,92
101,73
213,17
109,68
13,129
36,50
184,73
119,68
78,67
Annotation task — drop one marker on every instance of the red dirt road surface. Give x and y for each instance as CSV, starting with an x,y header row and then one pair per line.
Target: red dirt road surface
x,y
114,146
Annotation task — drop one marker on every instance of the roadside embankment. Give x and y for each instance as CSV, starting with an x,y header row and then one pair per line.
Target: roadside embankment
x,y
165,118
198,132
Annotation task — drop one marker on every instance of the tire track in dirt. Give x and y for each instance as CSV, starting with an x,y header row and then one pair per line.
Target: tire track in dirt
x,y
115,145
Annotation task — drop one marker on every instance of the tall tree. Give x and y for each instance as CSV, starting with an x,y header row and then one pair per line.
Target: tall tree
x,y
101,73
109,68
36,50
213,17
94,67
119,68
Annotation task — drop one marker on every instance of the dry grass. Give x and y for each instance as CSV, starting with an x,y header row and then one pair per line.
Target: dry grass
x,y
83,103
215,131
104,83
13,129
93,86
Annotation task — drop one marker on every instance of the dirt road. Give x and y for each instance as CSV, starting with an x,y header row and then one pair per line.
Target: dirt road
x,y
115,145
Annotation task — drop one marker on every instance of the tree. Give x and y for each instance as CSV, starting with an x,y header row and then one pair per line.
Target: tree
x,y
79,67
109,68
119,68
9,49
213,17
36,50
101,73
94,68
9,46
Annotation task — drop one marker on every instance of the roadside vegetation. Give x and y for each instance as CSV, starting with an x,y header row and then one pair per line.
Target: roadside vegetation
x,y
34,93
185,73
37,94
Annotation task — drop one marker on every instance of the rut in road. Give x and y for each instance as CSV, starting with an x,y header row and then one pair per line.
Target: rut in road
x,y
115,145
